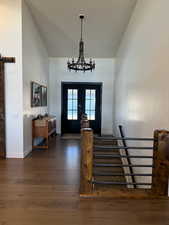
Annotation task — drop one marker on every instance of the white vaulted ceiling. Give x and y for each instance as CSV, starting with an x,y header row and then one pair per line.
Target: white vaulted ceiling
x,y
105,23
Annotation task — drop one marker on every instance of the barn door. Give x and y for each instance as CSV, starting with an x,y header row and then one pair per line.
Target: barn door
x,y
3,60
2,112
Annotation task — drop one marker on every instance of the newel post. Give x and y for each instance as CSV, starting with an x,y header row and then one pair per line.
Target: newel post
x,y
161,163
86,160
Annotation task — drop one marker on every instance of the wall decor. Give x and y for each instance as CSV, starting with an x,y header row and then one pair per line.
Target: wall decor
x,y
43,95
35,94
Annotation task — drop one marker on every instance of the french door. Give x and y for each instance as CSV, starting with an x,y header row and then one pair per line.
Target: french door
x,y
79,98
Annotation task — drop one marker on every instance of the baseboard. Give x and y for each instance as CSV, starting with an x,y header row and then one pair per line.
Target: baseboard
x,y
14,156
27,152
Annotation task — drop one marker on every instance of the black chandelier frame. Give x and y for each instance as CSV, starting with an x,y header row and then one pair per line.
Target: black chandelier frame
x,y
81,64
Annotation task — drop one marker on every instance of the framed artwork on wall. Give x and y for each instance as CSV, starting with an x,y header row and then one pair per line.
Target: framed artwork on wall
x,y
44,95
35,95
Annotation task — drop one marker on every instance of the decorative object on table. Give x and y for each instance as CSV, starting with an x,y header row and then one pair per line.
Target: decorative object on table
x,y
39,117
44,95
35,94
84,121
84,116
81,64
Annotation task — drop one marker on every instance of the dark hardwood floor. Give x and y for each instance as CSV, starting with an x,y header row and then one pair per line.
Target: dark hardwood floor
x,y
43,190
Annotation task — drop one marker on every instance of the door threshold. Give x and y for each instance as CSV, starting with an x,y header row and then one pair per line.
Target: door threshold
x,y
70,136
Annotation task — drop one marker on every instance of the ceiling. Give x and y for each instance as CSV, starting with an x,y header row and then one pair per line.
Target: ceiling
x,y
59,24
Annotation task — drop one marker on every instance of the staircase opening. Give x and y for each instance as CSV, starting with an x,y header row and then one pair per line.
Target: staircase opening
x,y
111,168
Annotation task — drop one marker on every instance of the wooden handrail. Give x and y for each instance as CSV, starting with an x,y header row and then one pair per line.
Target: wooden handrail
x,y
161,163
86,160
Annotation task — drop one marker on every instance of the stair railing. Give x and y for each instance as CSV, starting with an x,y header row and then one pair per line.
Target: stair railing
x,y
127,158
128,165
160,165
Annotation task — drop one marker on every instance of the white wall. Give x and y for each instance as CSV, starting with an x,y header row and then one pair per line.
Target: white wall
x,y
35,68
11,45
104,73
142,73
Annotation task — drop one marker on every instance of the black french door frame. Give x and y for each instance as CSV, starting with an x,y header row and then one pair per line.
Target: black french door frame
x,y
80,84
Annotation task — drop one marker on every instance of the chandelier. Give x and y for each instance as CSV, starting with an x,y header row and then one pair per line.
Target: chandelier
x,y
81,64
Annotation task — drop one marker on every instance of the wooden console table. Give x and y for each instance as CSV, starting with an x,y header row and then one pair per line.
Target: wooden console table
x,y
42,129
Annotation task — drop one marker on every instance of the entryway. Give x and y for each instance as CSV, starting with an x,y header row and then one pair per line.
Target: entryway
x,y
77,99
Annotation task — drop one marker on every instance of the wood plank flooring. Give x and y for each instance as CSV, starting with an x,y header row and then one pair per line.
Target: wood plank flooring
x,y
43,190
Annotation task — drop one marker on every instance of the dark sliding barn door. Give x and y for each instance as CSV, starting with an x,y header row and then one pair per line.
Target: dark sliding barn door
x,y
3,60
79,98
2,112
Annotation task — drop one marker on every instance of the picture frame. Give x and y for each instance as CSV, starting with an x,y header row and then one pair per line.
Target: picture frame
x,y
36,99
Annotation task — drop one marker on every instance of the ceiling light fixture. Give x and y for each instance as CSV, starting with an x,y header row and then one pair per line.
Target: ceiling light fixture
x,y
81,64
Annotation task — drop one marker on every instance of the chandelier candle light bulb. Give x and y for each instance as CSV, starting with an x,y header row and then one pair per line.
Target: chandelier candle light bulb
x,y
81,64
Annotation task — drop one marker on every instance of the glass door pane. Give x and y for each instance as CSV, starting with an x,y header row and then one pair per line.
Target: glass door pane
x,y
72,107
90,103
